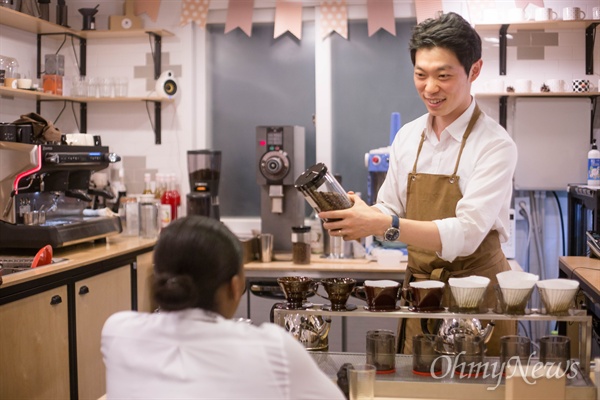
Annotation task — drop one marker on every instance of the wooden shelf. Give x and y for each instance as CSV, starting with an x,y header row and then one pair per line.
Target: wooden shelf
x,y
536,25
123,34
39,96
538,94
29,23
32,24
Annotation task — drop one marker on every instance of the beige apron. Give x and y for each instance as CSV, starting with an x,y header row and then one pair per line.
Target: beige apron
x,y
431,197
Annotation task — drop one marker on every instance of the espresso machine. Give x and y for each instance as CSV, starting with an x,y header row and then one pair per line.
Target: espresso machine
x,y
377,162
280,153
45,195
204,167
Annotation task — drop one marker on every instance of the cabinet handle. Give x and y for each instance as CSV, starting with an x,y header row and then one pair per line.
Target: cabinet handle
x,y
84,290
55,300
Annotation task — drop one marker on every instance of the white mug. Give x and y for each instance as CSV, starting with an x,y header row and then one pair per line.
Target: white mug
x,y
596,13
523,85
572,13
581,85
556,85
516,15
495,86
545,14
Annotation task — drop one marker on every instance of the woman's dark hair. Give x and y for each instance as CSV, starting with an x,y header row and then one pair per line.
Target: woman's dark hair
x,y
449,31
193,257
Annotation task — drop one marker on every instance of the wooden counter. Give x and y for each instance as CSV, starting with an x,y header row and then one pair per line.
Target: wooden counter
x,y
81,255
584,269
52,316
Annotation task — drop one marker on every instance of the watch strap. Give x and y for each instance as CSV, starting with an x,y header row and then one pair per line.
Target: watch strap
x,y
395,221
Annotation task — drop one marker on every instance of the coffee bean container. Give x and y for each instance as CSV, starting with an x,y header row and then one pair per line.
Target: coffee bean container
x,y
321,190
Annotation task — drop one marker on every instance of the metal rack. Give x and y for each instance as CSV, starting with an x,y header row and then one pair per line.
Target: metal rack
x,y
578,316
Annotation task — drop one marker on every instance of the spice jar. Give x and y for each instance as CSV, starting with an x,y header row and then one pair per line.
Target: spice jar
x,y
301,244
321,190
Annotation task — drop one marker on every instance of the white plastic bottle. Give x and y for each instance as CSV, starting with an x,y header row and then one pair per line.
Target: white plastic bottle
x,y
593,166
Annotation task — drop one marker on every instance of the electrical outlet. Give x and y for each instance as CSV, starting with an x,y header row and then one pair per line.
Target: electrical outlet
x,y
518,208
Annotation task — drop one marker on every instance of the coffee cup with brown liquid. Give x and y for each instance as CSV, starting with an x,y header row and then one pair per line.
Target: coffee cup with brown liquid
x,y
425,296
380,295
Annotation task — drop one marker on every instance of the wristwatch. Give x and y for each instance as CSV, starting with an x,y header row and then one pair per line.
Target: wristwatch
x,y
393,233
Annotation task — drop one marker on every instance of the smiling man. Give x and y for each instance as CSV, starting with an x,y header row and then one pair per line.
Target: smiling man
x,y
449,184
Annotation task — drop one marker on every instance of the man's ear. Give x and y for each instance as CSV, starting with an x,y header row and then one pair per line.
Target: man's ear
x,y
475,70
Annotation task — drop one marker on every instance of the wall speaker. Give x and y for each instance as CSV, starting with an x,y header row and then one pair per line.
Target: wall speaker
x,y
166,85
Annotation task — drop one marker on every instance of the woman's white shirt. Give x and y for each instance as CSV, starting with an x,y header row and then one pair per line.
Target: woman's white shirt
x,y
193,354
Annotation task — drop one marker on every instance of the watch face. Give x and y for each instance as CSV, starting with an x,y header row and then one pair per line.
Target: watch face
x,y
392,234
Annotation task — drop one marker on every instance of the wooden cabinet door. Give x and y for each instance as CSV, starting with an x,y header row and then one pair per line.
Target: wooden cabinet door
x,y
145,276
96,299
34,347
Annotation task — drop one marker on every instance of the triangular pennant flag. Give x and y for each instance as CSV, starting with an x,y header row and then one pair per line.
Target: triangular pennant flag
x,y
150,7
334,18
239,15
380,15
288,17
524,3
194,11
428,9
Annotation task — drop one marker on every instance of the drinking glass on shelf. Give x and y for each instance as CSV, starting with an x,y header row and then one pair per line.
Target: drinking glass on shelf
x,y
76,86
121,85
92,87
105,87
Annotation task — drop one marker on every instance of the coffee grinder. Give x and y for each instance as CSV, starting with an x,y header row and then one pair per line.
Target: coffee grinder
x,y
280,153
204,167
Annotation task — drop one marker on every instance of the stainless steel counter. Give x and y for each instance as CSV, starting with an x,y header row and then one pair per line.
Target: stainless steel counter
x,y
330,268
404,384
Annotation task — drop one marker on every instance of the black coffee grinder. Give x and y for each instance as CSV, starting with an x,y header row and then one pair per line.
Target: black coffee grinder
x,y
204,167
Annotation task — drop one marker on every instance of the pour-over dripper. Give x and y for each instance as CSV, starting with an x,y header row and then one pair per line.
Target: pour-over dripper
x,y
89,19
296,290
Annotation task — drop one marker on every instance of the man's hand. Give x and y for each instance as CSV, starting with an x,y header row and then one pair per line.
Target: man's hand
x,y
355,222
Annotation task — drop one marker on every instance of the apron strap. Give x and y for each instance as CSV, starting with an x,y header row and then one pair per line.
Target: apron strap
x,y
472,121
414,171
440,274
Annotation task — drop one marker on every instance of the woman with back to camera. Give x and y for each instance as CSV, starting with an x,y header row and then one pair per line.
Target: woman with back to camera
x,y
191,348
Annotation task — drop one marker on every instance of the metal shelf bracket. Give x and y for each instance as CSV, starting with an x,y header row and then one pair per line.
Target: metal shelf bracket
x,y
590,33
503,42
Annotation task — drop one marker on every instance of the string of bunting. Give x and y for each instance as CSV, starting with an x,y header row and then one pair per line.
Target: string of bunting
x,y
288,15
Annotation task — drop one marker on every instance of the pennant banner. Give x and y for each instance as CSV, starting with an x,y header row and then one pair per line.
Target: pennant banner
x,y
334,18
288,17
429,9
239,15
150,7
380,15
194,11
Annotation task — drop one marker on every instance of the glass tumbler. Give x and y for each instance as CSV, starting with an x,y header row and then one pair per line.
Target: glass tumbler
x,y
105,87
121,86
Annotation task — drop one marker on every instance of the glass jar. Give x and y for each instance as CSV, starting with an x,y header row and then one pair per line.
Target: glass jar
x,y
129,214
149,209
321,190
301,244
